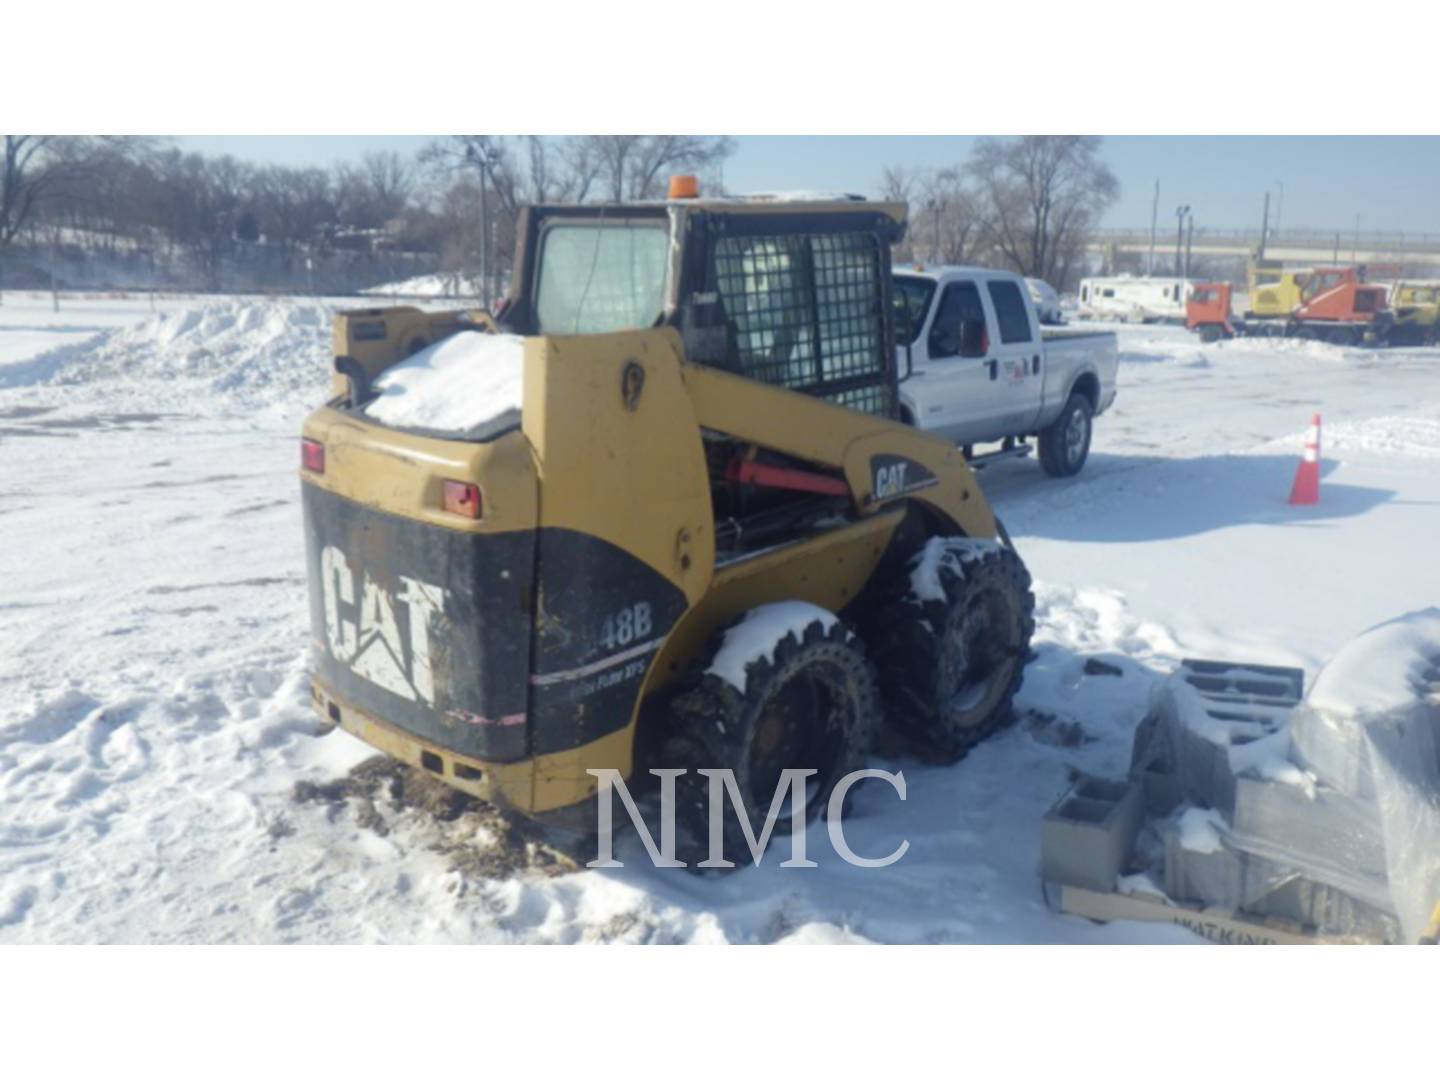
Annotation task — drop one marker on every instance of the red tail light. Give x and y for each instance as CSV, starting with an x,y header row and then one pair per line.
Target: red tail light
x,y
312,456
462,498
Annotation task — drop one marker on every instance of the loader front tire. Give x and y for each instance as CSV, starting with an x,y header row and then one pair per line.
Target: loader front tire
x,y
811,703
950,643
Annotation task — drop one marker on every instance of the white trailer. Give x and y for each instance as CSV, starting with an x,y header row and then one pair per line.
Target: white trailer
x,y
1135,299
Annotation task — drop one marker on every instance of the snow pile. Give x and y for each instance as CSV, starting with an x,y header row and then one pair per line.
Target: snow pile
x,y
1411,436
759,633
256,352
437,285
457,384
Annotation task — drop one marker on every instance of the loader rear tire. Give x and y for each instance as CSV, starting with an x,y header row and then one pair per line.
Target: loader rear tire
x,y
950,643
1065,444
812,703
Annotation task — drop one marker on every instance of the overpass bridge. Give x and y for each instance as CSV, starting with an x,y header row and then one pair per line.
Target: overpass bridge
x,y
1416,251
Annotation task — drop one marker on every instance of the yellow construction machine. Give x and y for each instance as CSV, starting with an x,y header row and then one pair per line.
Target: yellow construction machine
x,y
659,512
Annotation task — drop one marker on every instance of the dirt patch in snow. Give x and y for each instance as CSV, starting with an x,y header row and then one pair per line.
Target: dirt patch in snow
x,y
477,838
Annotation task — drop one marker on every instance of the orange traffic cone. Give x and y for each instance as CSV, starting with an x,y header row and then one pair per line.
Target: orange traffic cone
x,y
1306,489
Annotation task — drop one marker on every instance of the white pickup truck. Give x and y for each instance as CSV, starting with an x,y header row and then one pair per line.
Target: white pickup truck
x,y
976,368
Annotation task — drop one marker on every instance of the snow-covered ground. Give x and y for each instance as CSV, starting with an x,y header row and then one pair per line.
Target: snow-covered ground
x,y
153,710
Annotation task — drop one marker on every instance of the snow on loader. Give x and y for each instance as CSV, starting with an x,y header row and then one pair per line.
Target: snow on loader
x,y
659,512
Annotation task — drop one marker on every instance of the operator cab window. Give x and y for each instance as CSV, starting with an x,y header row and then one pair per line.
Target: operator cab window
x,y
1010,312
600,276
959,327
806,312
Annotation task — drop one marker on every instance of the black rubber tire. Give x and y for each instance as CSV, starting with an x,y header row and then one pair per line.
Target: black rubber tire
x,y
1210,333
1059,455
823,680
920,646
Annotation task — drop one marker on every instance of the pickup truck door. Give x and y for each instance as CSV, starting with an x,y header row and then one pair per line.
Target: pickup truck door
x,y
1016,359
957,385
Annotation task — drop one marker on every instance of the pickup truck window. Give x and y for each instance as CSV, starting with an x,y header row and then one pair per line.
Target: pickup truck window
x,y
911,297
959,327
1010,312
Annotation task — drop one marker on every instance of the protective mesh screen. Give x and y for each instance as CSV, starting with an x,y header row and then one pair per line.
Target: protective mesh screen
x,y
806,312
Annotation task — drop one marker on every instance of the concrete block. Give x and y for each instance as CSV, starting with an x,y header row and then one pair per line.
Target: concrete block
x,y
1221,680
1333,749
1276,893
1345,751
1331,835
1208,877
1087,836
1206,712
1230,877
1161,788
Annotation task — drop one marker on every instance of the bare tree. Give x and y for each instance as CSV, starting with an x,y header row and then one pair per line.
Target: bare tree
x,y
39,168
944,220
374,192
1037,198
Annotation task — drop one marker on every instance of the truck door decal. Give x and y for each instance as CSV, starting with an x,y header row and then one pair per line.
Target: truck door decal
x,y
376,651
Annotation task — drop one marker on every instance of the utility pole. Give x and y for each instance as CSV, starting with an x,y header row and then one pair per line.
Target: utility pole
x,y
1279,210
1264,226
55,288
1154,218
1189,241
1180,212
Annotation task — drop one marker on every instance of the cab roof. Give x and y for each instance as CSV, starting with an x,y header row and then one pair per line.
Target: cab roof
x,y
944,273
800,202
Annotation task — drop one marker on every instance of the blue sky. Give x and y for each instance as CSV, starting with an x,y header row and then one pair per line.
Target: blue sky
x,y
1392,182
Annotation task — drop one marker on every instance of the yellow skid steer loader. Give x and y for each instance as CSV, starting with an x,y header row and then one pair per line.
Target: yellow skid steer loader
x,y
658,512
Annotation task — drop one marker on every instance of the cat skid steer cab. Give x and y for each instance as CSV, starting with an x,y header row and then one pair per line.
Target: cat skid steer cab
x,y
658,513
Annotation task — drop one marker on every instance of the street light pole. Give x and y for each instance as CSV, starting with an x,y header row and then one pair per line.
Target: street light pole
x,y
1189,243
1180,212
1154,217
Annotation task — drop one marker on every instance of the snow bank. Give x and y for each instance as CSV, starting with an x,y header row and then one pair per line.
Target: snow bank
x,y
457,384
757,635
257,352
1410,436
440,285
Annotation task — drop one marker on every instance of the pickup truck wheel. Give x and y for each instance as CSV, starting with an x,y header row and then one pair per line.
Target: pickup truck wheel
x,y
950,637
809,701
1065,444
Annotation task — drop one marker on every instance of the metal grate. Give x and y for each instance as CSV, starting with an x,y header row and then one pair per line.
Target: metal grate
x,y
806,312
